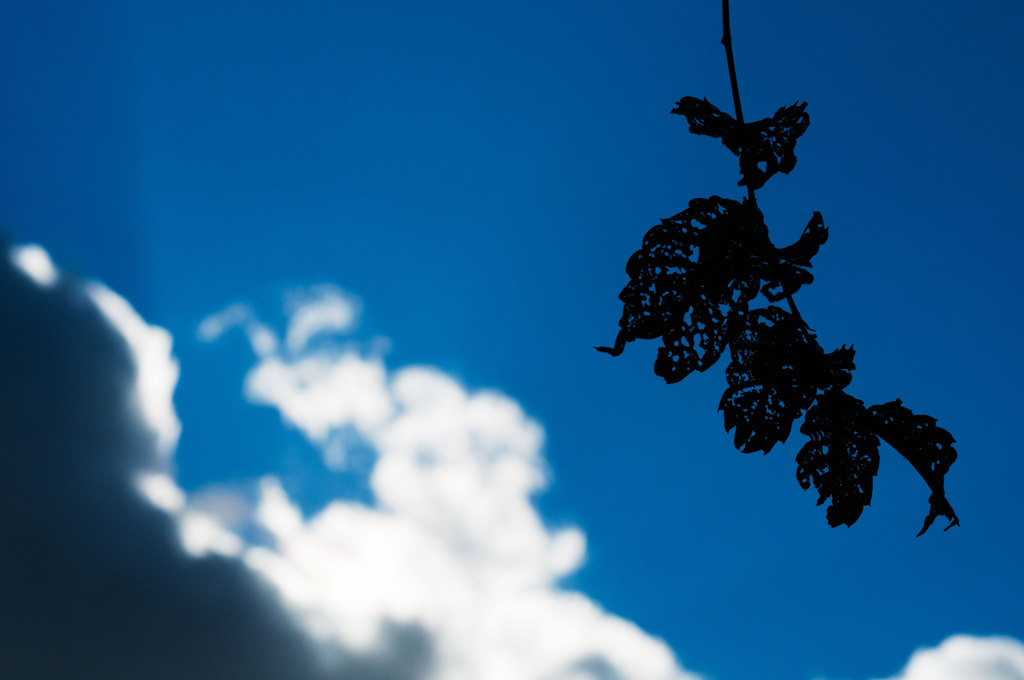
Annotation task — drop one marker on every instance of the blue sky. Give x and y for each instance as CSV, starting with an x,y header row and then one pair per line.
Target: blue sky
x,y
474,178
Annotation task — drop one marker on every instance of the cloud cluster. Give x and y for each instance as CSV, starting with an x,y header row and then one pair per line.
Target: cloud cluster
x,y
452,543
965,657
115,572
94,582
111,571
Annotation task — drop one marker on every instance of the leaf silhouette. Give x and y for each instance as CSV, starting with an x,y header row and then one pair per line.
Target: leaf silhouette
x,y
788,272
841,458
690,283
764,147
777,369
928,447
695,274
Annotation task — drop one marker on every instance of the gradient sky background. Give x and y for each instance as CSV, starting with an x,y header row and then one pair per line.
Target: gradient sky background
x,y
477,175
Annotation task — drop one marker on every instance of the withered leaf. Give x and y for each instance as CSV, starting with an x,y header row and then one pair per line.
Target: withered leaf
x,y
695,274
764,147
928,447
691,281
787,271
841,458
777,369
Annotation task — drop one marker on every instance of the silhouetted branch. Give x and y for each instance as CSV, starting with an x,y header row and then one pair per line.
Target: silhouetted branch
x,y
727,43
692,284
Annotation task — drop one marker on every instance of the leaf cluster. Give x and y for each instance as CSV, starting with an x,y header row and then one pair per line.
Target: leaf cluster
x,y
694,284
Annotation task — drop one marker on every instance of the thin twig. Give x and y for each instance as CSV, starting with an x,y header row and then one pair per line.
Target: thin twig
x,y
727,43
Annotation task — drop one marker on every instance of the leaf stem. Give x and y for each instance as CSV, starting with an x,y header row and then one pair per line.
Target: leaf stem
x,y
727,43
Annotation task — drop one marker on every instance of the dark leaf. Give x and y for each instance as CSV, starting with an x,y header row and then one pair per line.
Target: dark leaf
x,y
838,368
789,270
776,371
928,447
841,459
764,147
691,282
706,119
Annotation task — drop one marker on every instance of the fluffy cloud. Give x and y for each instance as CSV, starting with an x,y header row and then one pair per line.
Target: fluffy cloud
x,y
964,657
261,339
96,582
35,263
452,544
320,309
116,572
112,571
156,370
321,394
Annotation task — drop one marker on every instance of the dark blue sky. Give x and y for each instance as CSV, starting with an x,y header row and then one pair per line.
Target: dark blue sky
x,y
479,174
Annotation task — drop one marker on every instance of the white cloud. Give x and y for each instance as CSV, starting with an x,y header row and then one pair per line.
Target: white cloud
x,y
262,340
965,657
218,323
453,543
35,263
451,573
200,532
203,535
321,393
320,309
159,489
114,572
156,368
